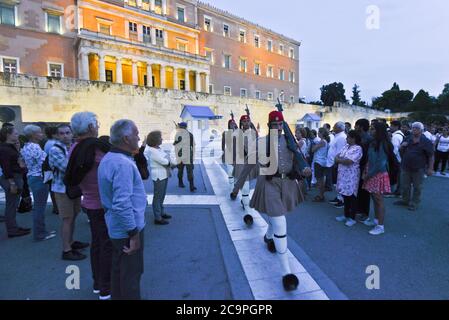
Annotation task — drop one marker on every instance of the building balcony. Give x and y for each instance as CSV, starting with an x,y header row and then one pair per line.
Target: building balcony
x,y
145,44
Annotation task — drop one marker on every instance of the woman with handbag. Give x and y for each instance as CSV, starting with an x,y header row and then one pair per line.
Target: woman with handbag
x,y
34,156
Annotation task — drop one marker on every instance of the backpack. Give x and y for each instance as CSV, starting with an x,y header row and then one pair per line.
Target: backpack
x,y
393,164
47,172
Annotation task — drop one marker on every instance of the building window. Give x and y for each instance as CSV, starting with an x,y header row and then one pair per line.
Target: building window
x,y
211,88
281,49
270,73
270,45
10,65
243,65
158,6
209,55
270,95
159,37
181,46
227,91
7,15
132,3
109,75
181,14
146,31
53,23
292,99
243,93
208,24
291,53
132,27
55,70
227,61
242,36
257,69
257,41
281,74
226,31
291,76
146,5
258,95
104,28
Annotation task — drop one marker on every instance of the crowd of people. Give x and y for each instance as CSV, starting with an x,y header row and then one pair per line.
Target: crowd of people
x,y
103,176
373,161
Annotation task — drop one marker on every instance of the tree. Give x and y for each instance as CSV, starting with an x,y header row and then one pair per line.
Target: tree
x,y
356,96
394,99
333,92
443,99
423,102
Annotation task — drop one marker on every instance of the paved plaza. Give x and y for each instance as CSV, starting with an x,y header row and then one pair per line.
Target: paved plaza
x,y
207,253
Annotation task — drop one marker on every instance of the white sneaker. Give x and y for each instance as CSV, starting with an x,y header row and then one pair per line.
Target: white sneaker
x,y
108,297
96,291
377,230
350,222
341,218
370,223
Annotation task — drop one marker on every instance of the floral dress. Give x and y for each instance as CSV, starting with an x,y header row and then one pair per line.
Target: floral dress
x,y
349,176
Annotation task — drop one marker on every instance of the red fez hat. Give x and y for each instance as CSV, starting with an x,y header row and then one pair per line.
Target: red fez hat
x,y
244,118
275,116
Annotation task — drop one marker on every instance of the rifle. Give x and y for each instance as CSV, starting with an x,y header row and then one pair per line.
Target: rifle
x,y
176,125
291,142
251,123
232,115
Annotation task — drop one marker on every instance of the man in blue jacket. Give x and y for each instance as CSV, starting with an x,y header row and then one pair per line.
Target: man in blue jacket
x,y
124,199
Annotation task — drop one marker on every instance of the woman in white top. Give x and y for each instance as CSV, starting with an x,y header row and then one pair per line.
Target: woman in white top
x,y
442,151
159,163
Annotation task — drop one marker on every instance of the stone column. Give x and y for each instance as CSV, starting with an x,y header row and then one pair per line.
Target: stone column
x,y
134,72
84,60
149,75
175,79
163,77
198,82
101,67
118,70
207,82
187,79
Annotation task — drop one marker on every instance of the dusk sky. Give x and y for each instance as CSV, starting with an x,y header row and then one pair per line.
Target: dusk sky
x,y
410,47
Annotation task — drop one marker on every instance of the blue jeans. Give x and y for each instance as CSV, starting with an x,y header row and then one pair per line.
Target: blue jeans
x,y
40,196
160,190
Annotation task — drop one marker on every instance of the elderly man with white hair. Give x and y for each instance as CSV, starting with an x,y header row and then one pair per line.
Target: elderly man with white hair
x,y
335,147
417,154
82,171
34,156
124,199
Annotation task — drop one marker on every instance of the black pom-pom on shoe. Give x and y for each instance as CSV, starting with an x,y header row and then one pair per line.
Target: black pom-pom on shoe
x,y
290,282
233,196
248,219
270,244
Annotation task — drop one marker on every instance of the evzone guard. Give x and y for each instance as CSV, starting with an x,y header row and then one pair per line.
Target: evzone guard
x,y
229,149
246,142
278,194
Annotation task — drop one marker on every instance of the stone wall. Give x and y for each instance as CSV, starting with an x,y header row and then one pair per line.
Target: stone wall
x,y
55,100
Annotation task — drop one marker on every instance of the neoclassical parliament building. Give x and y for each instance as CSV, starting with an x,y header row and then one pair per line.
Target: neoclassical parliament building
x,y
173,44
